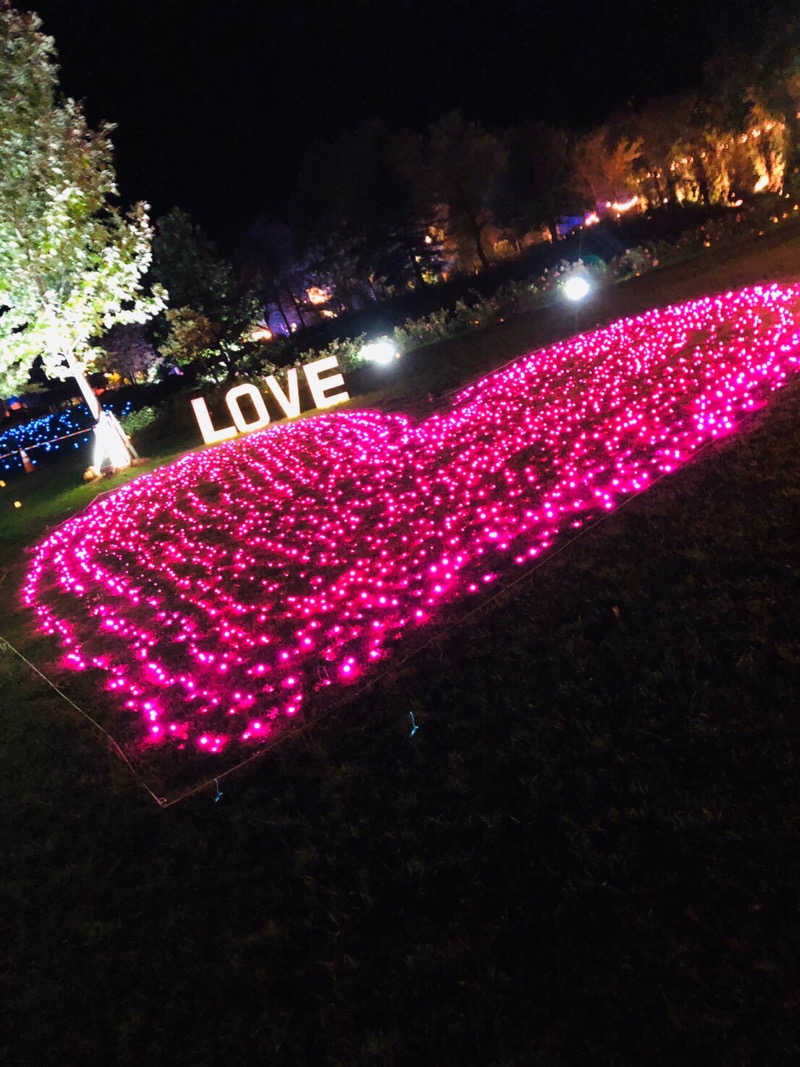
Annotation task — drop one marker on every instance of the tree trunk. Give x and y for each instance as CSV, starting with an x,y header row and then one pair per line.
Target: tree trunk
x,y
766,157
476,229
229,359
553,228
298,312
78,373
412,259
109,435
282,312
701,178
473,224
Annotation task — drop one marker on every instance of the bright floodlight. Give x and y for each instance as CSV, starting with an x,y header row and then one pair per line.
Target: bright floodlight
x,y
576,287
379,352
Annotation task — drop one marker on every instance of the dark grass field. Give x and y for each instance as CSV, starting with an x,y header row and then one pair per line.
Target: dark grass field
x,y
589,852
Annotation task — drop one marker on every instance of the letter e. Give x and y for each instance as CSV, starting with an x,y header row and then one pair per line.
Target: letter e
x,y
319,388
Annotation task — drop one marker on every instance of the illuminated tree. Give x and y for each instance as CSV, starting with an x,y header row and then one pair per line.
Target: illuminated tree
x,y
71,265
218,342
604,166
776,80
659,128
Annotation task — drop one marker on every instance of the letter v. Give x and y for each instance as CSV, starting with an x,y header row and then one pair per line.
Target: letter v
x,y
290,404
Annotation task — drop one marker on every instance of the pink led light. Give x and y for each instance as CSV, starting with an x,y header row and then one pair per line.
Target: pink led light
x,y
219,594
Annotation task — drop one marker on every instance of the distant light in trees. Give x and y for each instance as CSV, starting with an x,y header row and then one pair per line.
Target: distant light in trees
x,y
622,206
261,333
318,294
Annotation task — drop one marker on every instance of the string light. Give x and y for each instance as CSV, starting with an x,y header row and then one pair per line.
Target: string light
x,y
220,595
41,434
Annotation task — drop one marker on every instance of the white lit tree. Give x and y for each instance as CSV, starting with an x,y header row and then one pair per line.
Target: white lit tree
x,y
71,265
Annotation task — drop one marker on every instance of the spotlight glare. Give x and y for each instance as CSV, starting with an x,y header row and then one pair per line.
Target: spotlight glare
x,y
576,287
381,352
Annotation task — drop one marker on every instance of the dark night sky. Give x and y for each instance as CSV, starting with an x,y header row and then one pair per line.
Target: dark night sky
x,y
214,101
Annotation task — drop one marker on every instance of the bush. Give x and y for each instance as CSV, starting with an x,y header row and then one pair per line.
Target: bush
x,y
138,420
346,351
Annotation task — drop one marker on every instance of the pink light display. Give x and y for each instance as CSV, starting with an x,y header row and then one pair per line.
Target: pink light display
x,y
220,594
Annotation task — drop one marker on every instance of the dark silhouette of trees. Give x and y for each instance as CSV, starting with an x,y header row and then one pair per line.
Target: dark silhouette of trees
x,y
462,170
537,187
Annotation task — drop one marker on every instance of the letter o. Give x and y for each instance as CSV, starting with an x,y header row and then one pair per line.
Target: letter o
x,y
262,415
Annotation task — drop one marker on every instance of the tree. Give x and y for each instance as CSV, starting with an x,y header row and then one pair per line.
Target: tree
x,y
417,236
776,80
604,166
465,165
269,261
217,338
537,188
127,352
71,265
213,305
185,261
660,127
362,220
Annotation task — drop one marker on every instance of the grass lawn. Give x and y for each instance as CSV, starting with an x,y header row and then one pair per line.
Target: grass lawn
x,y
589,853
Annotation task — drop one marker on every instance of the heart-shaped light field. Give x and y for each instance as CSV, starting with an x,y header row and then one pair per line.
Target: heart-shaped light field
x,y
222,593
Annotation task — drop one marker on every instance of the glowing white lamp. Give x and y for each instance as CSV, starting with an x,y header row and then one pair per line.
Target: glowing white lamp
x,y
382,352
576,287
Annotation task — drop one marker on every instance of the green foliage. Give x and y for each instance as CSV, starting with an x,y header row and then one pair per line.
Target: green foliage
x,y
71,265
192,336
346,350
220,344
212,309
138,420
185,262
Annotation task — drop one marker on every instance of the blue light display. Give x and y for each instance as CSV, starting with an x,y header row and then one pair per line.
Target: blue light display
x,y
45,437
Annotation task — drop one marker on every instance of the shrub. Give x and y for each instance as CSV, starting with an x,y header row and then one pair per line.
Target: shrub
x,y
138,420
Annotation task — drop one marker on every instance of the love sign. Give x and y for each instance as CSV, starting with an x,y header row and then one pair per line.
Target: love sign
x,y
322,393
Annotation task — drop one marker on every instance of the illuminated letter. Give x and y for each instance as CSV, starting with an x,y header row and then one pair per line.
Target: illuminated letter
x,y
262,415
210,435
289,402
319,388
